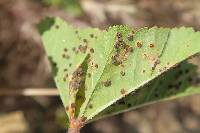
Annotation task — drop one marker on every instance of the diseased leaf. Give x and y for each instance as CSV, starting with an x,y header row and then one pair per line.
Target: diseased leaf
x,y
126,66
178,82
99,54
94,69
67,48
144,64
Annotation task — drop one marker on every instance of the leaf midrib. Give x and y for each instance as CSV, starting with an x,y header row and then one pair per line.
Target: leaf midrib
x,y
99,77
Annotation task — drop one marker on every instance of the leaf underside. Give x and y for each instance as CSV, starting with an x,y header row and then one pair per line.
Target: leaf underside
x,y
123,68
177,82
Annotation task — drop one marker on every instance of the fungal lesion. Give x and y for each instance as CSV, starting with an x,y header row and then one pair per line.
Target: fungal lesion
x,y
107,83
77,85
121,50
153,60
77,79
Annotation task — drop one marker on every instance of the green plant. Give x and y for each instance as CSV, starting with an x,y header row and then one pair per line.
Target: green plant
x,y
71,6
105,72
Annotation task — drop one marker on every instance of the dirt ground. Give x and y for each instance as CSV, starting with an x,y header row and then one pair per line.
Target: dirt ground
x,y
23,64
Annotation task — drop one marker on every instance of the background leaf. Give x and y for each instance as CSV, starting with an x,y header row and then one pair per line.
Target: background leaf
x,y
175,83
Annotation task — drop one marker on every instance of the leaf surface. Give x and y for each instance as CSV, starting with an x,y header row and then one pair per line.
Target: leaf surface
x,y
178,82
115,64
156,50
67,48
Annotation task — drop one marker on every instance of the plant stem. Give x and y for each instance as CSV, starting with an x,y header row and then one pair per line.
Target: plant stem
x,y
29,92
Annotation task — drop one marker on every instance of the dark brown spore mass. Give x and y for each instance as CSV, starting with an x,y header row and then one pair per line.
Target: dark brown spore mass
x,y
122,73
65,49
151,45
73,105
139,44
107,83
83,119
77,79
90,106
85,40
122,91
74,49
82,48
64,79
89,75
67,57
92,50
57,26
116,60
130,37
96,65
119,34
91,35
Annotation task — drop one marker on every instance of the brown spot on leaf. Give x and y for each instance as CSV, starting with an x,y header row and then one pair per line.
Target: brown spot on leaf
x,y
67,57
65,49
117,45
116,60
123,91
67,108
107,83
131,49
122,73
57,26
151,45
85,40
91,35
73,105
82,48
90,106
139,44
89,75
130,37
96,65
63,55
74,49
77,79
92,50
119,34
83,118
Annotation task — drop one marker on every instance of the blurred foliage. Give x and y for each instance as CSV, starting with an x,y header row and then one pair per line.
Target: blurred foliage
x,y
71,6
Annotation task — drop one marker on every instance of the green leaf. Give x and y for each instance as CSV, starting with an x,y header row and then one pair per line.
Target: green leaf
x,y
99,54
155,51
178,82
67,48
114,64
